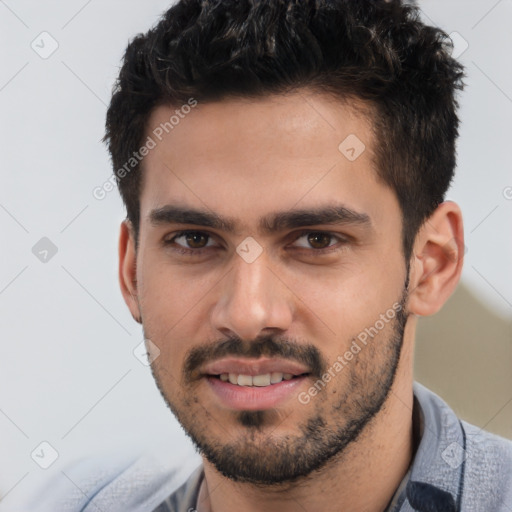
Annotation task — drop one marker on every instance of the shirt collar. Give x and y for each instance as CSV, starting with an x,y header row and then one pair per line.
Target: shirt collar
x,y
434,482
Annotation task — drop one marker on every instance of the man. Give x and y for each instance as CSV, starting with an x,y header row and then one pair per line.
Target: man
x,y
284,166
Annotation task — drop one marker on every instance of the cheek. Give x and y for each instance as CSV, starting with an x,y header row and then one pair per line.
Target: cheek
x,y
173,302
346,300
168,291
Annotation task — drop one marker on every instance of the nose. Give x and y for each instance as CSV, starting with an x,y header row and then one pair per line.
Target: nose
x,y
253,301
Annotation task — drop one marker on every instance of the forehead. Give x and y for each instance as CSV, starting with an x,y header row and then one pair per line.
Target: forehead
x,y
261,155
304,123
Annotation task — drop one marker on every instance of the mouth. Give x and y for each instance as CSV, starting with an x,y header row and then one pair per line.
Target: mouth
x,y
252,385
262,380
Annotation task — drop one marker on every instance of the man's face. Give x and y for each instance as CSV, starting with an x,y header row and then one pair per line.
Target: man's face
x,y
270,299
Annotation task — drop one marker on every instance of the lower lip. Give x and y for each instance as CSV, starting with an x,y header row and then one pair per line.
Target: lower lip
x,y
254,398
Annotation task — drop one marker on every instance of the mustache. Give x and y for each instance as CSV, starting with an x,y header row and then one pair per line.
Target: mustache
x,y
270,346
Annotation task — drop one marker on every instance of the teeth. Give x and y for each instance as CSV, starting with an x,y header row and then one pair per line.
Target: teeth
x,y
263,380
244,380
276,377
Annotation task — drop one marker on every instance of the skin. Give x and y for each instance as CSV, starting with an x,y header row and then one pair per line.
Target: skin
x,y
246,159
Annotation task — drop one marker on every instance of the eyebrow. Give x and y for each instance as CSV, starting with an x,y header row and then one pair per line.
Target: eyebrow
x,y
272,223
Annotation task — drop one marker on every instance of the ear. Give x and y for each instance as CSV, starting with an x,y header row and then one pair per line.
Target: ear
x,y
437,260
128,268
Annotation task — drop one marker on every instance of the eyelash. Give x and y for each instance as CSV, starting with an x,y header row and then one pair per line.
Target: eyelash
x,y
199,252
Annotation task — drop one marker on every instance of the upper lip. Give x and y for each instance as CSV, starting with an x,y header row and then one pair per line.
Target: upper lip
x,y
243,366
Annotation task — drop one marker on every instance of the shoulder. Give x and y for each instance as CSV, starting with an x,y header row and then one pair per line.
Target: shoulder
x,y
126,484
472,464
488,468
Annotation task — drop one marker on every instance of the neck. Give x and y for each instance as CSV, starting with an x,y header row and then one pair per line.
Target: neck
x,y
364,477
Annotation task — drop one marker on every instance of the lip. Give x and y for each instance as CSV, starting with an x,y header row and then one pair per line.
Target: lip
x,y
253,398
253,367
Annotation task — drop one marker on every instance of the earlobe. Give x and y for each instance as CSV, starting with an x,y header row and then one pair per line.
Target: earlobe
x,y
128,269
437,261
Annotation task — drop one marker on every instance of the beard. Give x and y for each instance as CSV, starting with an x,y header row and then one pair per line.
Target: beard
x,y
339,414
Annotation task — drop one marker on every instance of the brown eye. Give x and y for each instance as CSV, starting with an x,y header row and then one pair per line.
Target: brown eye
x,y
319,240
196,240
190,242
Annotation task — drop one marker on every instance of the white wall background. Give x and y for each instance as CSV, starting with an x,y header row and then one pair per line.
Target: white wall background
x,y
67,372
